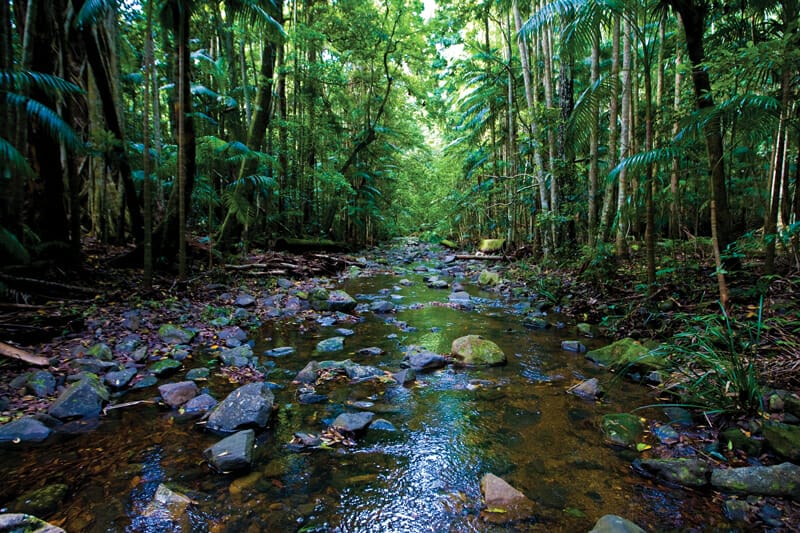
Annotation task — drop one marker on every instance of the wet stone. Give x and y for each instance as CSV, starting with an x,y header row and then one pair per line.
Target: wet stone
x,y
688,472
622,429
372,350
198,374
147,381
199,404
240,356
344,332
177,394
140,354
353,422
249,405
100,351
128,344
13,522
360,373
173,334
25,429
164,367
42,501
666,434
536,323
120,378
310,397
334,344
504,503
83,399
381,424
280,352
234,332
460,297
232,453
382,306
420,359
93,366
573,346
615,524
736,510
588,390
778,480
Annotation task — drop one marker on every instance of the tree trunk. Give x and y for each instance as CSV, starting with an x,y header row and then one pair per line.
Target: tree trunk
x,y
594,144
607,212
674,205
627,87
147,184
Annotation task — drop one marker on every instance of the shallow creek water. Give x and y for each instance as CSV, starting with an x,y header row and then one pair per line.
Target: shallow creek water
x,y
517,423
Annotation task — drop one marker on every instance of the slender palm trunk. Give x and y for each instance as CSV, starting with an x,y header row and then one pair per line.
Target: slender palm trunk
x,y
607,212
627,87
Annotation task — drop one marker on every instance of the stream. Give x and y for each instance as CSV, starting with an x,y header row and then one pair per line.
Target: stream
x,y
421,473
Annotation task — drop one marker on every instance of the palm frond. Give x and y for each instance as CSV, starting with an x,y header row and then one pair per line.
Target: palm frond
x,y
12,248
252,14
94,10
13,161
48,119
22,82
639,161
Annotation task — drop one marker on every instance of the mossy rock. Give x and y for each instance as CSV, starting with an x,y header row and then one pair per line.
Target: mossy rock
x,y
164,367
474,350
100,351
627,352
487,277
738,440
622,429
492,245
784,439
175,334
447,243
689,472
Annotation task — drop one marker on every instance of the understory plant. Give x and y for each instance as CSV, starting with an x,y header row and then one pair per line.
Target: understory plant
x,y
715,357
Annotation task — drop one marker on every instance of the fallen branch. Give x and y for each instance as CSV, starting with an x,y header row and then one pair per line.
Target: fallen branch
x,y
48,284
6,350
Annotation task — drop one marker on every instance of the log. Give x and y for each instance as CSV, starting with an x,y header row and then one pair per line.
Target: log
x,y
482,257
12,352
48,284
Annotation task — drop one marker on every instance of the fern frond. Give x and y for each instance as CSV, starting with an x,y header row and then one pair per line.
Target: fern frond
x,y
12,248
48,119
13,161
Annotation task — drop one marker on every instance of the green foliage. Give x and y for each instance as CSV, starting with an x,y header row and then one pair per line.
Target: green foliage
x,y
13,250
716,355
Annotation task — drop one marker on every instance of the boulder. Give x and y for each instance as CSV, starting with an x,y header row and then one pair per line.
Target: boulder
x,y
503,502
244,300
689,472
240,356
422,360
199,404
363,372
232,453
25,429
615,524
82,399
177,394
309,373
778,480
784,439
381,306
588,390
622,429
460,297
627,352
100,351
164,367
248,406
13,522
353,422
474,350
172,334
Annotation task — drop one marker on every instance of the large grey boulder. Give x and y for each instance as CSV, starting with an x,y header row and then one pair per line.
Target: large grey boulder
x,y
232,453
248,406
25,429
82,399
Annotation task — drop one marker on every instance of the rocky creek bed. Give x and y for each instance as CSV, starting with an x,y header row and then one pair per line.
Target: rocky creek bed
x,y
416,392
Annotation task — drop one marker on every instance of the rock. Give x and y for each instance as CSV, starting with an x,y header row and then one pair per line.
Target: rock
x,y
25,429
622,429
487,277
147,381
735,510
83,399
406,375
588,390
334,344
168,506
784,439
177,394
234,332
119,378
244,300
173,334
436,283
474,350
491,245
42,501
198,374
128,344
239,356
689,472
249,405
627,352
309,373
337,300
362,372
421,360
779,480
372,350
232,453
615,524
740,441
666,434
381,306
280,352
535,323
164,367
41,384
573,346
460,297
19,522
93,366
504,503
344,332
381,424
200,404
587,330
100,351
353,422
140,354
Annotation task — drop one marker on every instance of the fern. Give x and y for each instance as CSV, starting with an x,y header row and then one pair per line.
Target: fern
x,y
12,248
12,161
